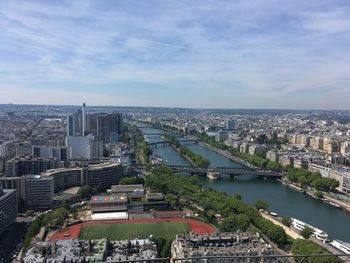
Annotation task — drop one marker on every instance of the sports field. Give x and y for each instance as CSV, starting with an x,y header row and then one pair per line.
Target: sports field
x,y
166,230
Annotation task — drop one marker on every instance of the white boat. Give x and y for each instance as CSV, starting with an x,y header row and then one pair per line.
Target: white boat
x,y
318,233
341,245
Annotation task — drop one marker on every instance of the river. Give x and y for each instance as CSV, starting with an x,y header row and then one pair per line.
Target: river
x,y
281,199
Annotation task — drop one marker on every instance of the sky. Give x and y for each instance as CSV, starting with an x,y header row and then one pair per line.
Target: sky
x,y
291,54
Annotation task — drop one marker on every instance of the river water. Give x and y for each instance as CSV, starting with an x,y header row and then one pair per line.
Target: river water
x,y
281,199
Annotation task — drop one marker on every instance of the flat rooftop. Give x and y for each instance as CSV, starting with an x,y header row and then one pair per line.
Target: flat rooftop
x,y
109,199
126,188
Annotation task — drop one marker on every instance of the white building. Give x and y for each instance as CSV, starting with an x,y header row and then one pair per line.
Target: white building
x,y
84,148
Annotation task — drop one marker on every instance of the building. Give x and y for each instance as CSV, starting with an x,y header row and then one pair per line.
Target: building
x,y
244,148
96,250
8,208
61,153
221,244
29,165
286,160
257,149
84,148
134,191
37,191
103,175
300,163
109,124
109,207
221,136
316,143
75,124
230,125
331,146
345,148
272,155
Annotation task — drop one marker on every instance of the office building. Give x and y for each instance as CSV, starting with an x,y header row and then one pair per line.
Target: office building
x,y
230,125
37,191
44,152
75,123
81,148
8,208
109,124
103,175
29,165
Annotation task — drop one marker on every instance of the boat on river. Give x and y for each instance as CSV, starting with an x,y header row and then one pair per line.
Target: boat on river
x,y
318,233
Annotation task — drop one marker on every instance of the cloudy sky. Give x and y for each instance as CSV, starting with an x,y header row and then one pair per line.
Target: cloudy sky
x,y
222,54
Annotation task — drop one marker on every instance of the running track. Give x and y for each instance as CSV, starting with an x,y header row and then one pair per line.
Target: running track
x,y
73,231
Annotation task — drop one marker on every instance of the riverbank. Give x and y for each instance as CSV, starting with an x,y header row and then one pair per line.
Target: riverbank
x,y
290,232
326,199
229,155
194,158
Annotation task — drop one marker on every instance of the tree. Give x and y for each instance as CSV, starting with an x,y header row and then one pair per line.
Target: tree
x,y
286,221
238,196
132,180
85,191
261,204
319,194
304,247
306,232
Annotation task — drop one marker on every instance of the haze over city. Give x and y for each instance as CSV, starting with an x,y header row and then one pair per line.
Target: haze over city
x,y
206,54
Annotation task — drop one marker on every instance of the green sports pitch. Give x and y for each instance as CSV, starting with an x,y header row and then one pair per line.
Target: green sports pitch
x,y
166,230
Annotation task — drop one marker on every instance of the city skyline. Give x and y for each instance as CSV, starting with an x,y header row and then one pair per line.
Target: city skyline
x,y
188,54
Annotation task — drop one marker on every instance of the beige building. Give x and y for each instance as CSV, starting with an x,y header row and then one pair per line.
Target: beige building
x,y
331,146
317,143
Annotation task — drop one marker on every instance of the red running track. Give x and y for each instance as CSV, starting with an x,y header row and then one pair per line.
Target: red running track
x,y
72,232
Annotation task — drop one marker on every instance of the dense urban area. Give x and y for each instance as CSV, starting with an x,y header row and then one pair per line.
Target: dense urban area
x,y
108,184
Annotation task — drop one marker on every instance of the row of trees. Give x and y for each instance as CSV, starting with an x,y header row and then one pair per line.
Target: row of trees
x,y
53,219
197,159
306,178
237,214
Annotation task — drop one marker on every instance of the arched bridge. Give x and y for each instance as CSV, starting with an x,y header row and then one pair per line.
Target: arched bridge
x,y
164,143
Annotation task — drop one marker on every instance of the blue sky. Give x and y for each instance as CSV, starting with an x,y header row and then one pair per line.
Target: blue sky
x,y
217,54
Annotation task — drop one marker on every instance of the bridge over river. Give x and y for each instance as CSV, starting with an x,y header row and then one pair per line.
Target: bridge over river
x,y
166,143
216,172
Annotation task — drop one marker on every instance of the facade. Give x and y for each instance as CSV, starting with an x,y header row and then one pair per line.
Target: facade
x,y
44,152
331,146
317,143
29,165
8,208
38,191
230,125
286,160
81,147
109,124
221,244
244,148
272,155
